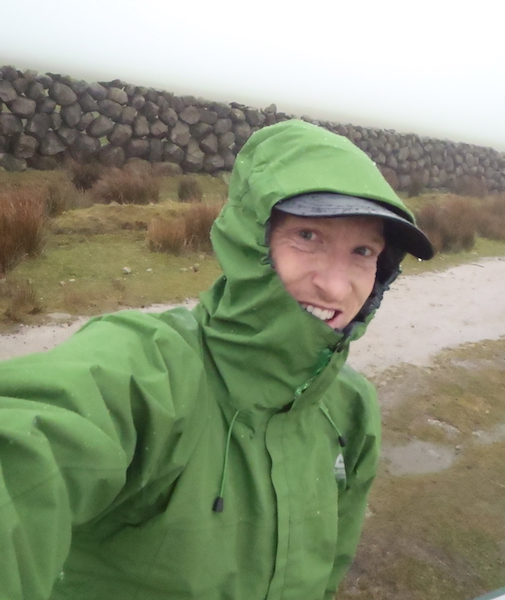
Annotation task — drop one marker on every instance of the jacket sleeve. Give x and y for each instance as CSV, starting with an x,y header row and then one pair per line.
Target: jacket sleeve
x,y
75,427
361,462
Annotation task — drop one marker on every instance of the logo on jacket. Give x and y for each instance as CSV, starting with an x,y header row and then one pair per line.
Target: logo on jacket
x,y
339,469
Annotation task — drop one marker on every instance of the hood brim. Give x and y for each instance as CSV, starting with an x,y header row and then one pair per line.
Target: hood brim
x,y
398,231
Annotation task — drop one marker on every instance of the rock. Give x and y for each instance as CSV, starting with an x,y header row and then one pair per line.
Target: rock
x,y
223,126
46,105
88,103
172,153
120,134
200,130
84,146
158,129
56,121
193,160
7,91
254,117
110,109
24,146
9,73
43,163
38,125
79,86
229,159
62,94
11,163
169,116
150,110
137,101
208,116
71,114
100,127
51,144
127,270
226,140
35,91
213,163
127,116
209,144
85,121
137,148
10,124
155,151
242,132
68,135
23,107
180,134
140,126
237,115
97,91
20,85
117,95
222,110
112,156
4,144
190,115
45,80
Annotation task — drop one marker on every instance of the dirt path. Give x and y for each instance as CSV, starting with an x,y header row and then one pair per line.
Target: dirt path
x,y
419,316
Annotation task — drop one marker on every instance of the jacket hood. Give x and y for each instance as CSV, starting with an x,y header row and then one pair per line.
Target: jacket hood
x,y
264,346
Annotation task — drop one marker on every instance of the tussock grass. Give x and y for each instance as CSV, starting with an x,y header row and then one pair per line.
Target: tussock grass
x,y
84,175
199,219
127,186
20,299
167,236
22,226
491,219
189,190
190,231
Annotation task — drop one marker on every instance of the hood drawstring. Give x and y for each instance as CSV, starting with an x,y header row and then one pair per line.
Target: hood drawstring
x,y
341,439
218,504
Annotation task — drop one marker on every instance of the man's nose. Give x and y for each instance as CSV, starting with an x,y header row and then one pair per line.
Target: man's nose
x,y
332,280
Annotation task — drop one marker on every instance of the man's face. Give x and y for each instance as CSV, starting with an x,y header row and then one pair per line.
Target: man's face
x,y
327,264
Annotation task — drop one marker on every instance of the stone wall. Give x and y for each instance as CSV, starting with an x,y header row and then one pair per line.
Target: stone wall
x,y
47,118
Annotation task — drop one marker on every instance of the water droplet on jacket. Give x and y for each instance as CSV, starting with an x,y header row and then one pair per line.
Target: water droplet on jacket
x,y
61,576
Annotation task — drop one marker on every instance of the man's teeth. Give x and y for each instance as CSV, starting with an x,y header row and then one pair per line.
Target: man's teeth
x,y
321,313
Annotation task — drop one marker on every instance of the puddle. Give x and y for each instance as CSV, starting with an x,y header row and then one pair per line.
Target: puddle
x,y
497,434
418,457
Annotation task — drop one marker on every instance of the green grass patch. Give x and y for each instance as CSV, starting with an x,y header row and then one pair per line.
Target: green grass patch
x,y
442,534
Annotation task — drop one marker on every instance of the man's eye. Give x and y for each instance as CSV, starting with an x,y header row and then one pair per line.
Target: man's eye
x,y
307,234
363,251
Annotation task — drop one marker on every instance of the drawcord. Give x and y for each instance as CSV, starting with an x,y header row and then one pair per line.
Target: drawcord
x,y
341,439
219,501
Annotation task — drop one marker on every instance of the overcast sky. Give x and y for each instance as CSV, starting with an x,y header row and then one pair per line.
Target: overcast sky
x,y
435,67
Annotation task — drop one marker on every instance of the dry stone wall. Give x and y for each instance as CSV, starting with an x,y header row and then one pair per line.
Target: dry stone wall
x,y
45,118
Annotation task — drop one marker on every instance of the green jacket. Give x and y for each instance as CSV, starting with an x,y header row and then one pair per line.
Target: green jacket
x,y
115,445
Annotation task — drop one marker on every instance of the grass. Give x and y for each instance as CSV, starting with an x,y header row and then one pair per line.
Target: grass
x,y
439,535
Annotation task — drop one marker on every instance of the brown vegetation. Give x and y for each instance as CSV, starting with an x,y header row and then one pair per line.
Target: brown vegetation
x,y
190,231
127,186
22,299
84,174
190,190
166,236
450,225
22,224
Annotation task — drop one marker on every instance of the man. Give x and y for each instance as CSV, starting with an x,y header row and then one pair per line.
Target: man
x,y
227,452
